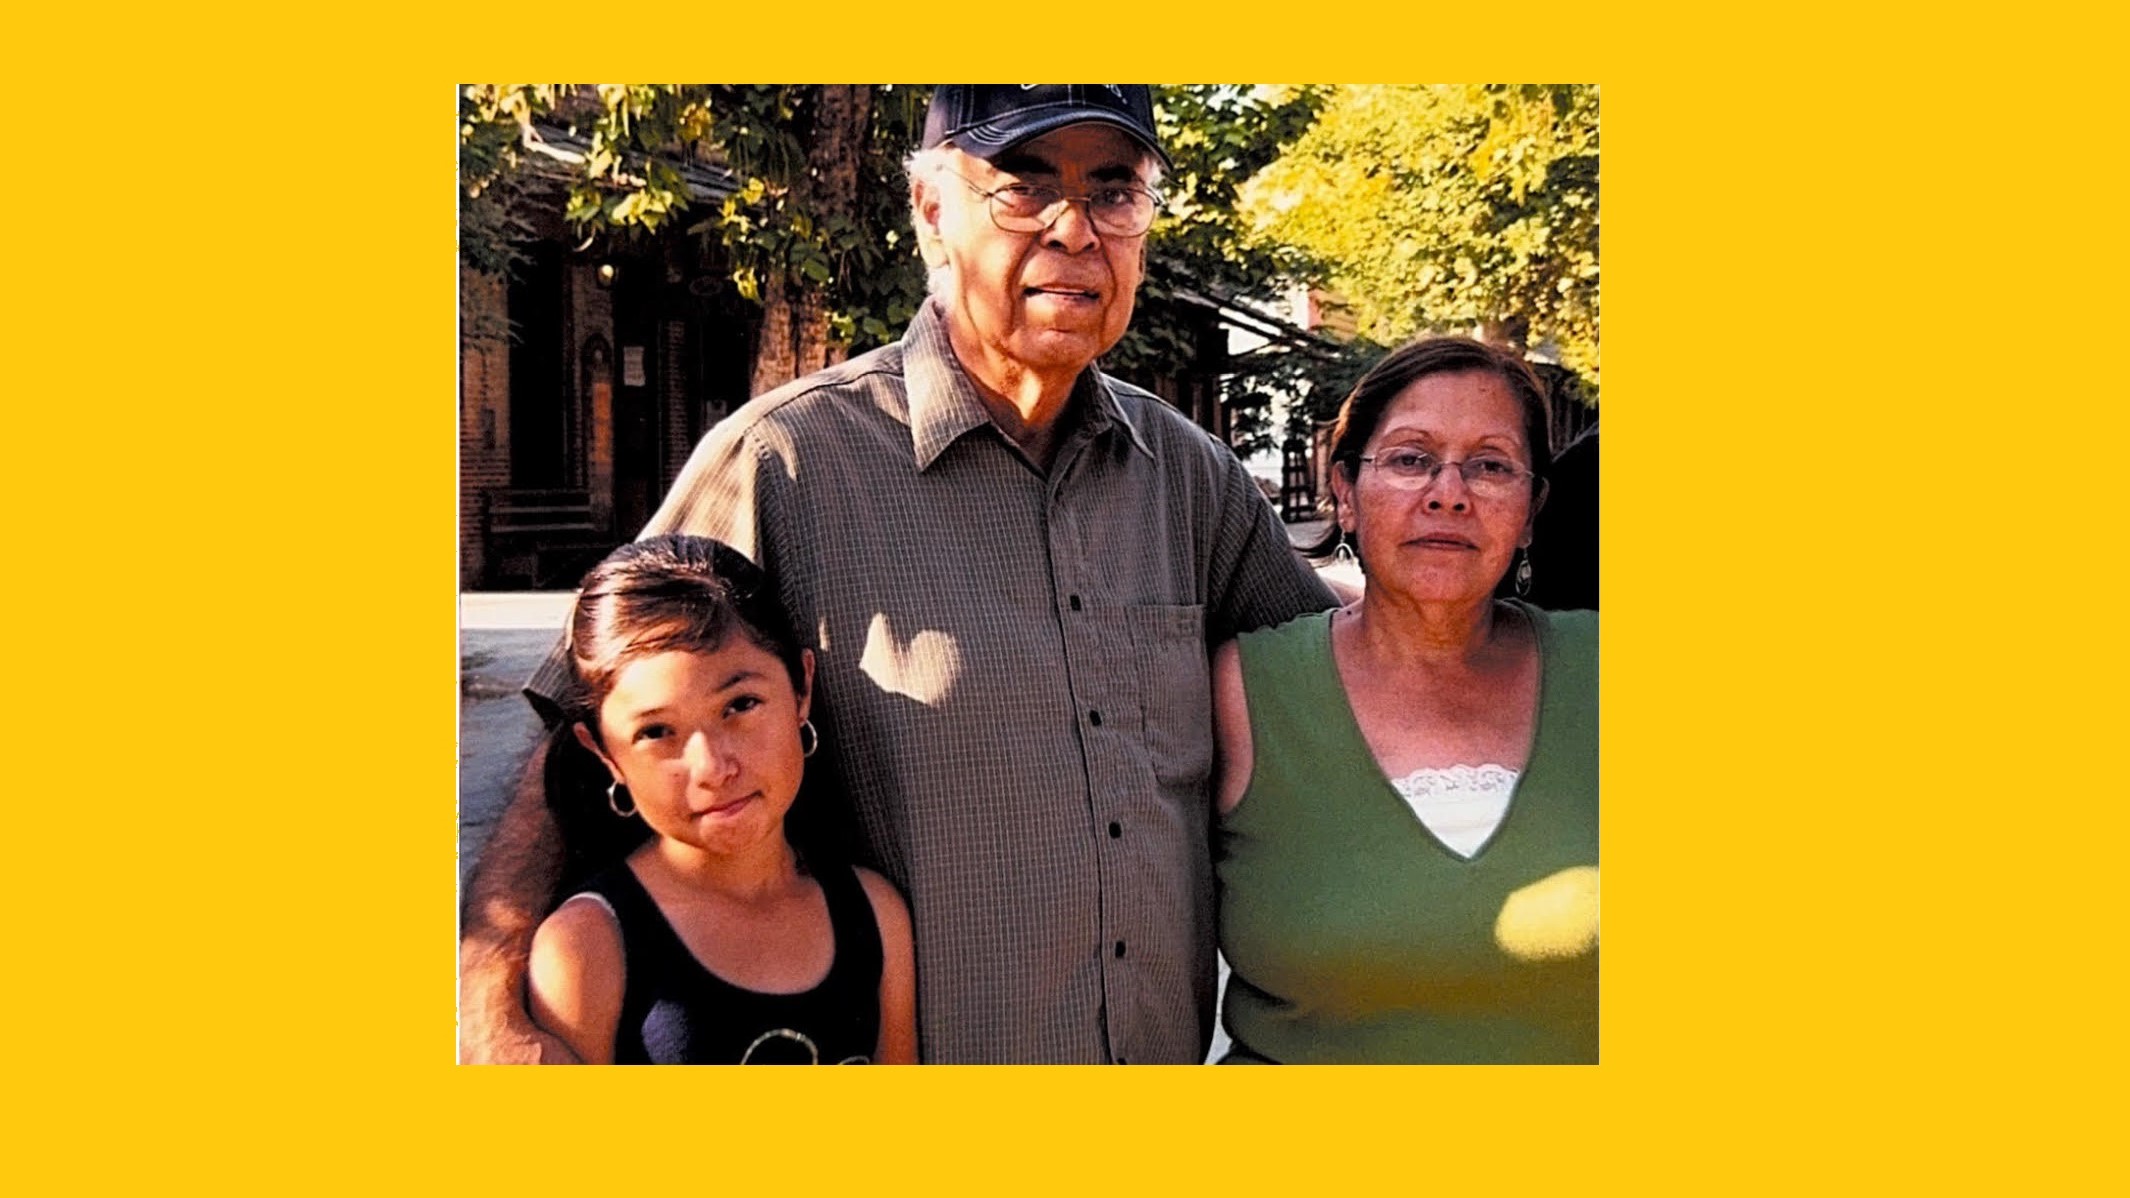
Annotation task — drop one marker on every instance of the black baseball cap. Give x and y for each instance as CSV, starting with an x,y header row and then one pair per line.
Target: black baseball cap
x,y
987,119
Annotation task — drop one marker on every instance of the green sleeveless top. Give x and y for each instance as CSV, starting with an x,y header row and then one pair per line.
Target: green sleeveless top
x,y
1354,934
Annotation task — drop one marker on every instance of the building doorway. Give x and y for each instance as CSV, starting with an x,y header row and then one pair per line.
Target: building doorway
x,y
540,424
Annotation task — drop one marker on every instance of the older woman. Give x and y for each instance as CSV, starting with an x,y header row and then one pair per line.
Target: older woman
x,y
1408,784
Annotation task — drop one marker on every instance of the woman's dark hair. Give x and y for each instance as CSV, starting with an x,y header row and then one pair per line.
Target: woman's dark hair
x,y
1408,364
658,594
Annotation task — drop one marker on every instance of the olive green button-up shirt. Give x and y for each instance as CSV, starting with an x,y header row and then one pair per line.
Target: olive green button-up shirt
x,y
1011,679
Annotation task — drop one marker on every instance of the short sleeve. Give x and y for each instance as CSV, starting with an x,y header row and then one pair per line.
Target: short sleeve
x,y
1256,579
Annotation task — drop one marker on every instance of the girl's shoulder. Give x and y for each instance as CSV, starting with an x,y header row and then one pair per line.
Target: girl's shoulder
x,y
584,928
887,902
588,925
574,981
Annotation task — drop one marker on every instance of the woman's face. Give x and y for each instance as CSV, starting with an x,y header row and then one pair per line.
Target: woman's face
x,y
1439,541
707,742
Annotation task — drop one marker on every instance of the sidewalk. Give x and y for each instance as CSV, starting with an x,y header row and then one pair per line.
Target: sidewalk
x,y
488,611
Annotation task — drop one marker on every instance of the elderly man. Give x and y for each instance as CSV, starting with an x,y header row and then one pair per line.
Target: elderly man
x,y
1010,567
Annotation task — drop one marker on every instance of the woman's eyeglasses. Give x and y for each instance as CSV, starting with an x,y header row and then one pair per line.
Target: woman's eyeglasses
x,y
1414,469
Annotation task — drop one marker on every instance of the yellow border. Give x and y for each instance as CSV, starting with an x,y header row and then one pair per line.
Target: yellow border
x,y
239,245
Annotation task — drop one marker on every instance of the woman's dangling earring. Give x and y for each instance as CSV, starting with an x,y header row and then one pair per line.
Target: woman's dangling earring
x,y
809,738
1343,555
615,806
1523,571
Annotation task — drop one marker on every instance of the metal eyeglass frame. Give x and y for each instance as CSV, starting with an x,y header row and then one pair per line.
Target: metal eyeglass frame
x,y
1475,484
1056,208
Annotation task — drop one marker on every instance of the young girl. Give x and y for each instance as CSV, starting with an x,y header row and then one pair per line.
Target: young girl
x,y
713,942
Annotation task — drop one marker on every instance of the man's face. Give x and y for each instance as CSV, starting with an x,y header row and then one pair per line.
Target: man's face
x,y
1046,301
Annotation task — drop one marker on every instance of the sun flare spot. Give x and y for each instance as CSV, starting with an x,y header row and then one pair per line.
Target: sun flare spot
x,y
1553,918
923,668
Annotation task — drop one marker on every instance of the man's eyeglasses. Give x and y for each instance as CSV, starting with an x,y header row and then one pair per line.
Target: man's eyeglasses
x,y
1413,470
1116,210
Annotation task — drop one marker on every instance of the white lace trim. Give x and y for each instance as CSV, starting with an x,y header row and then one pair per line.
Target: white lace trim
x,y
1461,804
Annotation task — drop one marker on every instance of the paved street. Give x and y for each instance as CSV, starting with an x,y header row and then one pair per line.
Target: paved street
x,y
497,729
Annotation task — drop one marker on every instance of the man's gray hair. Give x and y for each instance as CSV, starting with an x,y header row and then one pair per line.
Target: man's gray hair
x,y
929,165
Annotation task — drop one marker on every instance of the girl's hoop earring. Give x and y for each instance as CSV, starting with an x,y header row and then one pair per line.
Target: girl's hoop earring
x,y
1523,571
809,739
1343,555
614,806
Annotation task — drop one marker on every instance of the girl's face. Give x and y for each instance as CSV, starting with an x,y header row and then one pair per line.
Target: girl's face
x,y
707,742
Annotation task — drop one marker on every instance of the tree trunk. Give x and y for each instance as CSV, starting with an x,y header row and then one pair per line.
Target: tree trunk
x,y
840,121
810,329
773,360
795,312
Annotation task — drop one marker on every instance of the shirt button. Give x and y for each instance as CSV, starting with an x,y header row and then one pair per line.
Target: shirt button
x,y
1115,829
1120,948
1075,603
1095,718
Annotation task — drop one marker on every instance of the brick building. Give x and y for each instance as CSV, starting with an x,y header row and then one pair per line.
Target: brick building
x,y
586,377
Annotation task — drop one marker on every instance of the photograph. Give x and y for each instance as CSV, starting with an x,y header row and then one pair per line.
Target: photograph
x,y
1028,574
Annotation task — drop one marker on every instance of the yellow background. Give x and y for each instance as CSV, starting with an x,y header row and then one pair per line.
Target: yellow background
x,y
1863,284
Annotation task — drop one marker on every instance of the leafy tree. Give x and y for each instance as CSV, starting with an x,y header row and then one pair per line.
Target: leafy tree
x,y
1218,136
816,227
1449,207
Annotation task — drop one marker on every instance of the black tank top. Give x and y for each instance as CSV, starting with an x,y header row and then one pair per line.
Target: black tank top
x,y
675,1012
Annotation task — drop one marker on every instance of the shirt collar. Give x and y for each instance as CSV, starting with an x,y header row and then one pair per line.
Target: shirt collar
x,y
944,403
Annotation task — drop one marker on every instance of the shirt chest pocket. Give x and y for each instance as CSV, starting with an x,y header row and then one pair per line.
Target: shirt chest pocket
x,y
1175,690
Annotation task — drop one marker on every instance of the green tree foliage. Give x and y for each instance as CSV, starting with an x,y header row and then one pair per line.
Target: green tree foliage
x,y
1218,136
816,227
1447,208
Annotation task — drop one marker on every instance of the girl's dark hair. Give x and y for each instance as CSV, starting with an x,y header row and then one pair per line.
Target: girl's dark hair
x,y
663,593
658,594
1408,364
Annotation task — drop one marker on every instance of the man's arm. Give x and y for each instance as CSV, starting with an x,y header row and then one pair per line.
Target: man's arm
x,y
507,895
1257,578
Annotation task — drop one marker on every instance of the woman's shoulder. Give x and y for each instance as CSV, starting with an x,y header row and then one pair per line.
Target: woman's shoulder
x,y
1300,629
1292,652
1581,624
1576,627
1568,641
